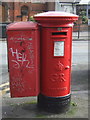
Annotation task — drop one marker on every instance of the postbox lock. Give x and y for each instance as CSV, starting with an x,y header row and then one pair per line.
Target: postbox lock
x,y
67,67
59,28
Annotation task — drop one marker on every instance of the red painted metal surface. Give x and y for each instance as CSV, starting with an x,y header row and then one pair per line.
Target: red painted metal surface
x,y
23,54
56,19
56,47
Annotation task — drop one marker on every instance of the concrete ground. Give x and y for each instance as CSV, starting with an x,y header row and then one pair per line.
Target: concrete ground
x,y
27,107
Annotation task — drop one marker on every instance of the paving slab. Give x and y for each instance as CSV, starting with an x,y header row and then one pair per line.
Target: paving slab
x,y
27,107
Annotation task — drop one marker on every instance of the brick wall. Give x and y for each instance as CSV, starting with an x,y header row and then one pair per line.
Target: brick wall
x,y
82,27
3,12
0,13
32,9
13,9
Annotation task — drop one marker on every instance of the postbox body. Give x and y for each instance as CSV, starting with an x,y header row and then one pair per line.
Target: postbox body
x,y
56,50
23,54
56,61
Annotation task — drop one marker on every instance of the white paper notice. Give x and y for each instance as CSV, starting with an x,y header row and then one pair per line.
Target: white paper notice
x,y
59,48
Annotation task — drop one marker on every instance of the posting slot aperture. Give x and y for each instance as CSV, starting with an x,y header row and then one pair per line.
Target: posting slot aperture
x,y
59,33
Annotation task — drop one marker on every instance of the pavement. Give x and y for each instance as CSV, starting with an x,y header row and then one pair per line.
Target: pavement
x,y
27,107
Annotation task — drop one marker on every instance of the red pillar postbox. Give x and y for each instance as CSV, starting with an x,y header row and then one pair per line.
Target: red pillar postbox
x,y
56,46
23,54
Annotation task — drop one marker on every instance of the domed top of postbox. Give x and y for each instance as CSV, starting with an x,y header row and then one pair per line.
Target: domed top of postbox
x,y
22,26
55,17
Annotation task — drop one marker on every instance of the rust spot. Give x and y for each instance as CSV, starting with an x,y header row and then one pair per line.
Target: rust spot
x,y
23,51
21,70
21,43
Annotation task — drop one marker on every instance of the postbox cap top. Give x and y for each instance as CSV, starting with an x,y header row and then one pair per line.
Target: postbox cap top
x,y
55,14
55,18
22,26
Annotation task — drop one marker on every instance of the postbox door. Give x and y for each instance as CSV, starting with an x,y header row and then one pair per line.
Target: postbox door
x,y
23,63
58,60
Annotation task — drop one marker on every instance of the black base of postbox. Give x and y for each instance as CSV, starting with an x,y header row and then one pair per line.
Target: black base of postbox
x,y
54,104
